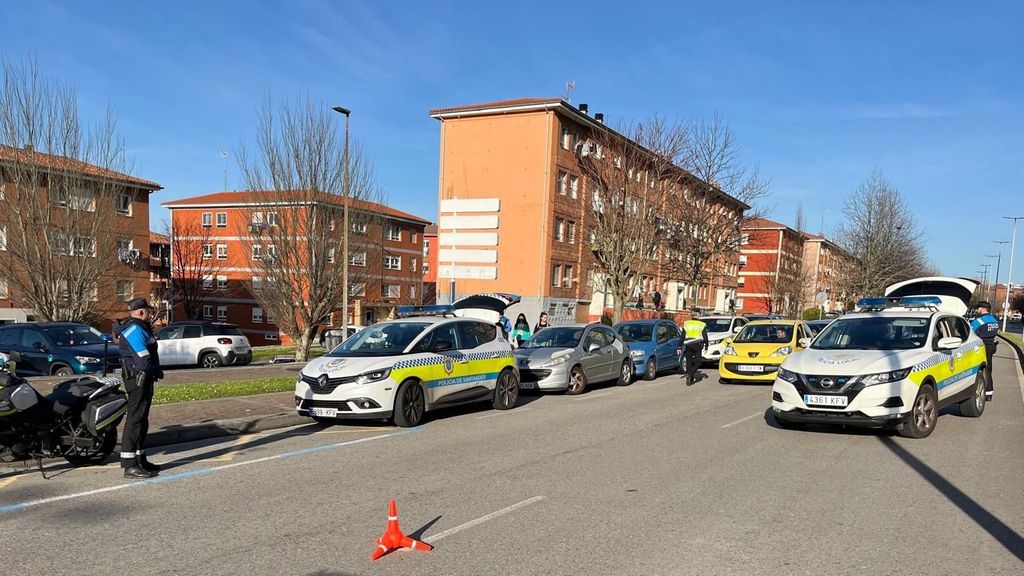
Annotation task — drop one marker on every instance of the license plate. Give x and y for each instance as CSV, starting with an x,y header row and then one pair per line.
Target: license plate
x,y
751,368
527,385
817,400
324,412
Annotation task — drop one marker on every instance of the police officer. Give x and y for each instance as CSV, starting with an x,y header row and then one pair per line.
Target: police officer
x,y
986,327
140,368
696,342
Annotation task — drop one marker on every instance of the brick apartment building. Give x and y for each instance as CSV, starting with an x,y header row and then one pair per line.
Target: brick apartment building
x,y
999,290
384,263
824,263
430,264
124,200
771,257
514,211
160,275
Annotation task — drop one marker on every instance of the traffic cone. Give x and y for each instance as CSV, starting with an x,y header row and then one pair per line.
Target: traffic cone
x,y
393,538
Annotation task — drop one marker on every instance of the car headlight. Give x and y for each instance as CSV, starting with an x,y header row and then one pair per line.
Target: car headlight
x,y
636,353
715,341
785,350
884,377
788,375
561,358
87,359
729,351
374,376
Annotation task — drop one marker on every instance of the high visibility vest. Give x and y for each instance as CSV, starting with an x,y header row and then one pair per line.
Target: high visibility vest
x,y
694,328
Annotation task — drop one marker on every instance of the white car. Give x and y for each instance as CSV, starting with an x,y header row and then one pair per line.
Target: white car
x,y
720,328
205,344
896,364
403,368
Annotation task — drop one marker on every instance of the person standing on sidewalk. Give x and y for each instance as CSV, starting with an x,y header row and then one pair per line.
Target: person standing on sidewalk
x,y
985,325
696,342
140,368
521,331
542,323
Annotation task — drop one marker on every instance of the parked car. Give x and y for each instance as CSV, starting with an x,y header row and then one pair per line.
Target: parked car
x,y
58,348
1016,315
352,329
569,357
720,328
205,344
653,345
756,353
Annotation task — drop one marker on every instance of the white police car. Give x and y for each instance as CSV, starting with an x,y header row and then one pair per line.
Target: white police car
x,y
402,368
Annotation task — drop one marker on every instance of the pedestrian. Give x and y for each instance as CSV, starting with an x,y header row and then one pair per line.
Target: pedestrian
x,y
986,327
542,323
521,331
639,300
696,342
506,326
657,300
140,369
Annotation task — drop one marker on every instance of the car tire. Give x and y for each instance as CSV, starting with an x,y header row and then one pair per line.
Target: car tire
x,y
506,390
625,373
62,370
651,370
577,381
924,414
211,360
410,404
974,406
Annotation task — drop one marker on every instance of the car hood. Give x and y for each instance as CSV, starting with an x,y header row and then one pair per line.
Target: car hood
x,y
762,350
853,362
95,350
348,366
718,335
539,354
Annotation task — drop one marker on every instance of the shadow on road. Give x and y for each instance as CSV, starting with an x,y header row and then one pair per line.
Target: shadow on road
x,y
418,534
270,438
996,528
769,419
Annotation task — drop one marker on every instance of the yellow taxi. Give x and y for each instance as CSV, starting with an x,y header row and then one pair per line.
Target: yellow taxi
x,y
757,351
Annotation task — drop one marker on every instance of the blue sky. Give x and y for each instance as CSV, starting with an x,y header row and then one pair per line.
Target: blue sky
x,y
819,93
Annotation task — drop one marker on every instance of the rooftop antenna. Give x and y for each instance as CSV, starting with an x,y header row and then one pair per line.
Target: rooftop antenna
x,y
570,86
224,159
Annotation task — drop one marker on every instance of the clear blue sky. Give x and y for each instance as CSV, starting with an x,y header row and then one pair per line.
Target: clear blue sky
x,y
819,93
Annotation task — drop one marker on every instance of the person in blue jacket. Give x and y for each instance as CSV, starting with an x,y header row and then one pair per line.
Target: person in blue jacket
x,y
140,368
985,325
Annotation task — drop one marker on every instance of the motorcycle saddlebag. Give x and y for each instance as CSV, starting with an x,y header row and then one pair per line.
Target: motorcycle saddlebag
x,y
103,412
18,398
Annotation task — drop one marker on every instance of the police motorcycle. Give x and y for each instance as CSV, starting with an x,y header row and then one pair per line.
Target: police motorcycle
x,y
77,421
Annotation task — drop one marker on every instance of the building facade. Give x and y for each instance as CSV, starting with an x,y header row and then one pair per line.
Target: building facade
x,y
430,264
770,263
384,258
823,265
160,276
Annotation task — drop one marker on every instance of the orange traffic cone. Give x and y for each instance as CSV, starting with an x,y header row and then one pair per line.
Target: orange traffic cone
x,y
393,538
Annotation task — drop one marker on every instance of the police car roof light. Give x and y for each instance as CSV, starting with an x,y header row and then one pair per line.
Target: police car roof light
x,y
924,301
881,303
433,310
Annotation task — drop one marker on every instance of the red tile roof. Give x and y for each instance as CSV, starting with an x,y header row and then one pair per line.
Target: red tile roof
x,y
11,155
763,223
157,238
244,198
497,104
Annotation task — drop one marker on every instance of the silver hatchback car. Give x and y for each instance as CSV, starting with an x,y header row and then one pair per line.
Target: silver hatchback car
x,y
568,357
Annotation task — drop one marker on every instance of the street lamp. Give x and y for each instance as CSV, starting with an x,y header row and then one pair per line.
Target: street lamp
x,y
999,261
344,233
992,285
1009,271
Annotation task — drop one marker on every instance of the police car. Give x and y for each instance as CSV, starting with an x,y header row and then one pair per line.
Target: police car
x,y
400,369
897,363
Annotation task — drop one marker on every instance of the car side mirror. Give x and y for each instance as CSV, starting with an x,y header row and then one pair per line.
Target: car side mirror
x,y
949,343
737,329
443,346
593,347
804,342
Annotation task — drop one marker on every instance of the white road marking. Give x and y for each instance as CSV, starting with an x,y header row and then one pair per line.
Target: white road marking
x,y
481,520
501,413
591,396
8,481
744,419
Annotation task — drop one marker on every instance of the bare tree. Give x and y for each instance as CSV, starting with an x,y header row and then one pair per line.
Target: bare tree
x,y
62,182
881,234
299,185
194,269
801,221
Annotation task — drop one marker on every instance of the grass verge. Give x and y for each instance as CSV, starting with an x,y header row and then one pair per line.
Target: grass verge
x,y
268,352
192,392
1015,337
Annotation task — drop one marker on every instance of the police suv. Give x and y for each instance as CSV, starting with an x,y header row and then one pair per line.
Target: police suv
x,y
895,364
400,369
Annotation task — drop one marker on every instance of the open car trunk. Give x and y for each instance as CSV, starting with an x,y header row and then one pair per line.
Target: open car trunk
x,y
955,293
486,306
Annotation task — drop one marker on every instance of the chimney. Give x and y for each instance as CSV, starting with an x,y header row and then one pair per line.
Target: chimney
x,y
584,108
599,117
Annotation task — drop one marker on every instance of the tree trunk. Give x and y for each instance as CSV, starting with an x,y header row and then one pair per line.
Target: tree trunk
x,y
302,345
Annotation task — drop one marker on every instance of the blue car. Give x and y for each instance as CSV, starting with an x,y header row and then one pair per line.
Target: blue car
x,y
58,348
654,346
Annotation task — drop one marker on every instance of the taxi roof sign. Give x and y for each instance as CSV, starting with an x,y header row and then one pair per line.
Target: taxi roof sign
x,y
432,310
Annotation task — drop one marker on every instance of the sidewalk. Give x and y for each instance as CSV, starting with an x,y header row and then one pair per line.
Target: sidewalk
x,y
189,421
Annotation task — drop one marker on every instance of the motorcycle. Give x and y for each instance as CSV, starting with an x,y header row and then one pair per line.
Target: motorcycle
x,y
77,421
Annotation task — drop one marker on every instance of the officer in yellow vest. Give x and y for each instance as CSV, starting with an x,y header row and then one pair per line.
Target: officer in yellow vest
x,y
696,342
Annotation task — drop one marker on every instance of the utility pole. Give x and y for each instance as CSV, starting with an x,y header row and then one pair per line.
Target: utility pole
x,y
344,233
999,261
1009,272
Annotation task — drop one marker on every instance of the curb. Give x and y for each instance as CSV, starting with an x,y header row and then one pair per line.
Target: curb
x,y
1017,349
229,427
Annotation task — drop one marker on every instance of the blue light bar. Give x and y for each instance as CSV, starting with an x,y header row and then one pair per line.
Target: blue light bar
x,y
909,301
904,302
434,310
871,302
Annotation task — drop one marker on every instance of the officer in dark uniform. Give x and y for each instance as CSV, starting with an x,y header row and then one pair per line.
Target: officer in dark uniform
x,y
986,327
140,368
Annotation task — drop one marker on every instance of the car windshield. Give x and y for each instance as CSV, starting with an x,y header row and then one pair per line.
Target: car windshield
x,y
386,339
765,334
555,338
636,332
717,324
817,327
873,333
74,335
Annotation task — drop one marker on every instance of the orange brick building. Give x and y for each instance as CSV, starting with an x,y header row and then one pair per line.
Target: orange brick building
x,y
384,263
824,263
771,256
430,264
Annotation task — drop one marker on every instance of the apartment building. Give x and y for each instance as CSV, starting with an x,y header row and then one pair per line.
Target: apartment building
x,y
515,211
430,264
770,262
385,256
823,266
160,275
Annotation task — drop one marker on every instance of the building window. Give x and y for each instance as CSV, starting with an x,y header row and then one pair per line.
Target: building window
x,y
123,245
741,281
412,264
412,292
561,182
566,137
414,236
257,218
125,290
593,237
270,337
272,252
559,229
222,282
207,311
4,292
571,232
359,227
207,282
257,251
257,315
3,237
392,291
393,262
271,319
574,186
739,303
207,219
567,276
222,251
257,284
222,219
83,246
357,289
357,259
426,247
77,199
330,255
222,312
426,267
394,233
743,259
744,239
556,275
273,219
207,251
124,204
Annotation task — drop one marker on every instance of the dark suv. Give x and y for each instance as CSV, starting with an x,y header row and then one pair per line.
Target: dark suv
x,y
58,348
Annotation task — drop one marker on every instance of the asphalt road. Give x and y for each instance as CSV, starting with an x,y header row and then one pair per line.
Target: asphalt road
x,y
654,478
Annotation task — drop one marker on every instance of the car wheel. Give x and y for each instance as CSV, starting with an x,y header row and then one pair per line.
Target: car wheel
x,y
651,371
577,381
62,370
975,405
923,415
506,390
410,404
625,373
211,360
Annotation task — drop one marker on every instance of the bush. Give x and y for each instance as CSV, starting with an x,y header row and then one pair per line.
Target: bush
x,y
811,314
606,319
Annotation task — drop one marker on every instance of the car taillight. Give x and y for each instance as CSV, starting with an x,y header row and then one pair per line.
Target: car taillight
x,y
223,340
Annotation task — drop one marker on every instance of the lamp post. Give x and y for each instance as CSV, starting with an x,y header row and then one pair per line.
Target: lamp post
x,y
992,285
999,261
1009,271
344,232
